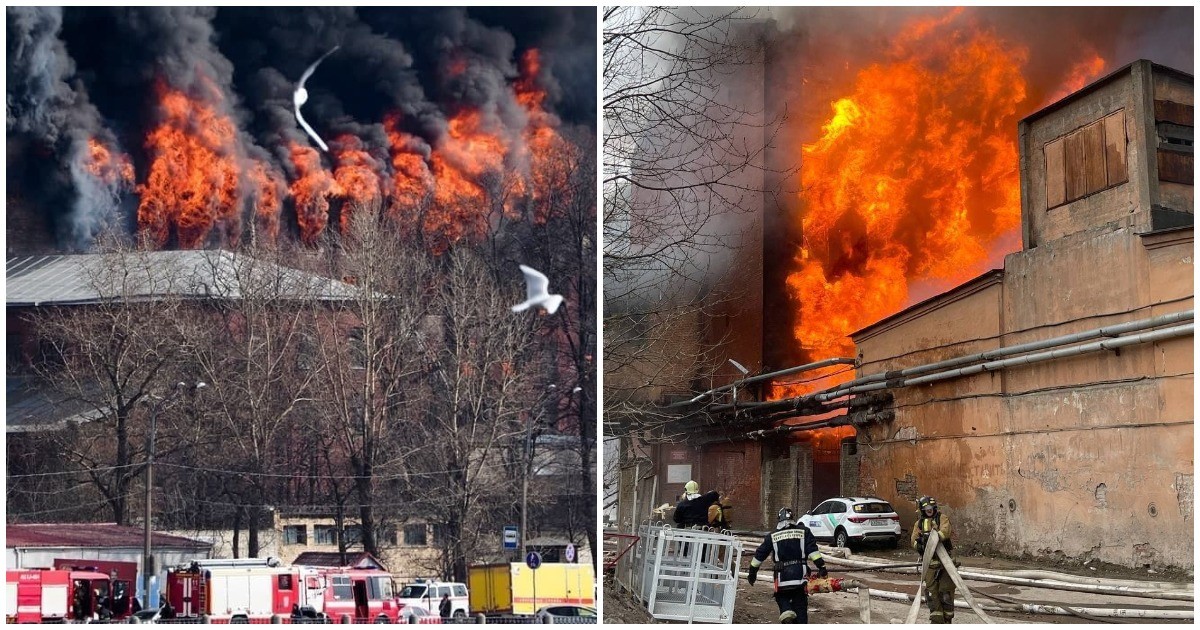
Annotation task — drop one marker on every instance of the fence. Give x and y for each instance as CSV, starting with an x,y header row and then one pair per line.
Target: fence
x,y
683,574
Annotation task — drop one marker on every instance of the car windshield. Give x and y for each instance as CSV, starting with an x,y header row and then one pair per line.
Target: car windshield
x,y
873,508
412,591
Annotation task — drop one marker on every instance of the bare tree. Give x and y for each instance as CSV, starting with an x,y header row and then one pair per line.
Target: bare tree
x,y
684,177
483,365
370,351
106,358
247,346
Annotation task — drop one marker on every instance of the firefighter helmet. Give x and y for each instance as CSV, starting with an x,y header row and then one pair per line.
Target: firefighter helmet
x,y
785,514
926,502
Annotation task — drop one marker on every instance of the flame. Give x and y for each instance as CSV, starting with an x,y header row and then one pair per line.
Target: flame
x,y
114,169
412,182
1082,73
544,146
193,178
913,177
526,88
311,190
268,198
356,179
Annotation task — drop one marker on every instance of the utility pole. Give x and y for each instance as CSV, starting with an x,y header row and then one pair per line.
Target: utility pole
x,y
147,558
528,464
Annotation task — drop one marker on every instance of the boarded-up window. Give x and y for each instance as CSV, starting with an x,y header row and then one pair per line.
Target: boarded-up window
x,y
1086,160
1174,124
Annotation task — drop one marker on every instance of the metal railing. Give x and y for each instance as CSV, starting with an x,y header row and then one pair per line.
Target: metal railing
x,y
683,574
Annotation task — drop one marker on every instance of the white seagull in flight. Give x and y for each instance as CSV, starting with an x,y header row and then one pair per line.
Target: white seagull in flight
x,y
537,292
300,96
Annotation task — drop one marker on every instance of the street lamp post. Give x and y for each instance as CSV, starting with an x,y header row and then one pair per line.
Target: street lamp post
x,y
147,559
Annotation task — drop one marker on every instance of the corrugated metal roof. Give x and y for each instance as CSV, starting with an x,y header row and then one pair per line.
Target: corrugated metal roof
x,y
205,274
91,535
31,407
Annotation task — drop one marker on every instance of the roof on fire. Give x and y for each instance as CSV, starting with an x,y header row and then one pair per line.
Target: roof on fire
x,y
69,279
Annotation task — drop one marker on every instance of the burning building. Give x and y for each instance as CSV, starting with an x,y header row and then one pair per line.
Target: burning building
x,y
988,272
446,120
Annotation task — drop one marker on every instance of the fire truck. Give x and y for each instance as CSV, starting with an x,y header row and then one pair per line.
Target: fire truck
x,y
366,595
57,596
237,591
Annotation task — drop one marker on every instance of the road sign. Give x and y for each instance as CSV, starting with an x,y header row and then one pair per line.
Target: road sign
x,y
512,537
533,560
570,553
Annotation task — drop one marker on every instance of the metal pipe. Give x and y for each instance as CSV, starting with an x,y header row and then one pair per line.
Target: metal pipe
x,y
988,355
762,377
1058,581
877,379
1049,609
1108,344
1059,353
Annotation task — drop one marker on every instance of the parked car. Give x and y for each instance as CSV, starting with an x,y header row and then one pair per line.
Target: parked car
x,y
546,612
428,595
846,521
417,614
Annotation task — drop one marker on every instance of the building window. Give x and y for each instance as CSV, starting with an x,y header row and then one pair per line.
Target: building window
x,y
390,536
1087,160
441,534
352,534
295,535
325,534
414,535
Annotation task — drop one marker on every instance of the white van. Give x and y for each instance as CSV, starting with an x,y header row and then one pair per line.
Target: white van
x,y
428,594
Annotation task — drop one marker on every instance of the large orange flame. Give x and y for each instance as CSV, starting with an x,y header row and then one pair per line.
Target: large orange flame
x,y
913,177
544,147
311,190
356,179
193,178
412,182
268,199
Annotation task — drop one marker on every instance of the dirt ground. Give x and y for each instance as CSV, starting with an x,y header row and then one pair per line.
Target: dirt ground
x,y
755,604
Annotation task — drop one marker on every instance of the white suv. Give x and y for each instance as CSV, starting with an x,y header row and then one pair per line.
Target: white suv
x,y
428,594
850,520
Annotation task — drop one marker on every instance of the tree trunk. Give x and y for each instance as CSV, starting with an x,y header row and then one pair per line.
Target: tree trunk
x,y
252,544
237,532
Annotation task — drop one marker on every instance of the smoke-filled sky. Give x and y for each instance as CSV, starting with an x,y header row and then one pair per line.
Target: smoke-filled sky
x,y
101,99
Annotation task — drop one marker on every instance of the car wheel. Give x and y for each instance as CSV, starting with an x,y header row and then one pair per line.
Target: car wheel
x,y
381,619
841,538
460,614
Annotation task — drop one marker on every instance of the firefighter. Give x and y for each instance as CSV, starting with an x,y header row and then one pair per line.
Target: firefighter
x,y
792,546
939,587
719,512
692,509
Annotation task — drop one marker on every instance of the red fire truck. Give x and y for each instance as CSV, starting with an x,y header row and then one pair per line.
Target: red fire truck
x,y
366,595
250,590
57,596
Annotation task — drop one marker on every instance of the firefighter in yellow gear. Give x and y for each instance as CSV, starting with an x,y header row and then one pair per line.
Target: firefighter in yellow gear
x,y
939,588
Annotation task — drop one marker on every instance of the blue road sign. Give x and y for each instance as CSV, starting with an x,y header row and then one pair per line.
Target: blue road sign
x,y
533,560
570,552
512,537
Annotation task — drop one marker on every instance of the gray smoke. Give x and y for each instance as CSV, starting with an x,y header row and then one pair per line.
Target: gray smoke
x,y
47,103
